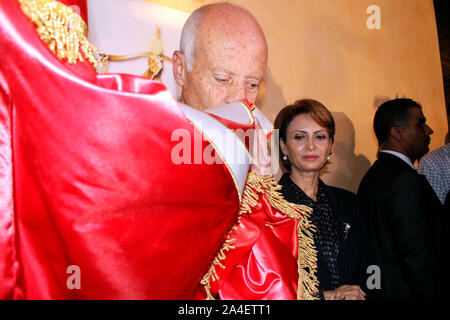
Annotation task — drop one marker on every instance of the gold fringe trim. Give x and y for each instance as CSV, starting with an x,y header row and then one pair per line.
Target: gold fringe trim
x,y
249,200
306,261
62,29
307,254
211,275
268,185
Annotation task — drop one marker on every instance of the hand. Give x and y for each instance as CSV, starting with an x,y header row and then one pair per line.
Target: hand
x,y
345,292
260,152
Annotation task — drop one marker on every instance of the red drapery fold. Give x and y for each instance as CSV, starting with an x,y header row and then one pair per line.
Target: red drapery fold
x,y
87,180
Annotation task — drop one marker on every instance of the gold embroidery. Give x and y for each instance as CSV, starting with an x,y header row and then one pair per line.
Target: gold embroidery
x,y
62,29
307,254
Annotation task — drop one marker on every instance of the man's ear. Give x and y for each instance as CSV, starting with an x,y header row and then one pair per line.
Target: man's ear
x,y
179,67
396,133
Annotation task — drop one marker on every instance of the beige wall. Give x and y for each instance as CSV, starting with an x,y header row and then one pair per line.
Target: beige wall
x,y
183,5
322,49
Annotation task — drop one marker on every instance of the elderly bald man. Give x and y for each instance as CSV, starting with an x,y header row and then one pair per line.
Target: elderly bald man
x,y
222,58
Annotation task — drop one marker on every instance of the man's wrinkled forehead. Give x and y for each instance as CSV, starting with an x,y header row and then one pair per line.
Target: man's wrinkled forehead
x,y
236,23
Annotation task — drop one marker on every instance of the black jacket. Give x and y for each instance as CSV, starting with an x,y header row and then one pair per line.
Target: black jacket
x,y
405,229
352,261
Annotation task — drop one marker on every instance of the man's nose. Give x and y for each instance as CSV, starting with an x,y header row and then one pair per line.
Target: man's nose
x,y
428,130
236,93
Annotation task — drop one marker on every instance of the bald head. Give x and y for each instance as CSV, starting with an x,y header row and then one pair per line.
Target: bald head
x,y
217,19
222,57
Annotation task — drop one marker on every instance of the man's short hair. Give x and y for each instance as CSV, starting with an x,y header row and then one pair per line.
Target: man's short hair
x,y
392,113
188,35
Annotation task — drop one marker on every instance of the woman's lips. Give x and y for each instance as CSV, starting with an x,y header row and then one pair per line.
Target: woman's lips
x,y
310,158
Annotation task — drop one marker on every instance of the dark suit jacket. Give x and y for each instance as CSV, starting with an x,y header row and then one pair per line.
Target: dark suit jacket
x,y
405,230
352,247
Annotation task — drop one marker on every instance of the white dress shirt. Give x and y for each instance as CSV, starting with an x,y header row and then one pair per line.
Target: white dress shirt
x,y
401,156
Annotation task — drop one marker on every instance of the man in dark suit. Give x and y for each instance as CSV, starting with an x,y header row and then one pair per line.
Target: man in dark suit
x,y
403,212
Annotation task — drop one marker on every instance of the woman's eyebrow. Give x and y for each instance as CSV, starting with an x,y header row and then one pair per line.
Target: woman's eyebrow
x,y
303,131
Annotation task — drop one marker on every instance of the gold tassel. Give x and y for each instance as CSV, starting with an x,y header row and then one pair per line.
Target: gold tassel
x,y
307,254
62,29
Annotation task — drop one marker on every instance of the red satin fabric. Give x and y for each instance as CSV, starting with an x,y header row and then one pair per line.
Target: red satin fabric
x,y
263,263
266,270
87,179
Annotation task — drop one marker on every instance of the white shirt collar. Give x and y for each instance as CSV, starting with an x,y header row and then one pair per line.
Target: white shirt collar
x,y
401,156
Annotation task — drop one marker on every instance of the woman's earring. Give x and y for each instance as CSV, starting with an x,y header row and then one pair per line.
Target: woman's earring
x,y
328,158
285,157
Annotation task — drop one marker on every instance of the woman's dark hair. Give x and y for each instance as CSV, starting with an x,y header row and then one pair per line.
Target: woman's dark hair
x,y
315,109
392,113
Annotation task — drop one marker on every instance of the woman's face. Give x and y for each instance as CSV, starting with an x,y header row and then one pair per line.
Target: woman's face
x,y
307,144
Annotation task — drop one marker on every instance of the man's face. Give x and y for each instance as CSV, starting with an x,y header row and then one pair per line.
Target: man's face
x,y
416,135
225,69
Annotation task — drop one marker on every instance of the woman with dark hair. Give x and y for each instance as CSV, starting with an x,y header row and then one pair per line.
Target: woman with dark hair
x,y
306,131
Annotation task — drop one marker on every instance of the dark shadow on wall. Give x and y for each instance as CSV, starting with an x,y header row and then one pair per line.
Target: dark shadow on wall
x,y
345,169
378,100
270,99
